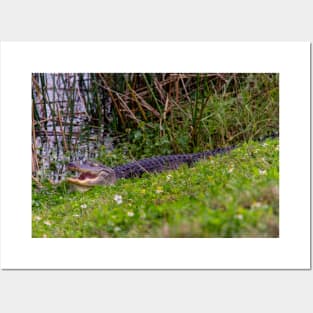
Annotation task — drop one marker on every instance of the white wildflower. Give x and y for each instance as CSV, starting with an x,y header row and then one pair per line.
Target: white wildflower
x,y
159,189
130,213
37,218
239,217
262,172
256,205
47,223
117,229
230,170
76,215
118,199
264,144
169,177
83,206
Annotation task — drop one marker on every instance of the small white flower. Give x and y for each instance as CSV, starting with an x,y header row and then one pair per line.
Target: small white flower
x,y
116,229
169,177
230,170
262,172
37,218
239,217
47,223
264,144
83,206
118,199
130,213
159,190
76,215
256,205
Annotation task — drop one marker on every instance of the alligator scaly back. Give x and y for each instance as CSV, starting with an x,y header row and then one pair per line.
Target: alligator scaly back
x,y
171,162
162,163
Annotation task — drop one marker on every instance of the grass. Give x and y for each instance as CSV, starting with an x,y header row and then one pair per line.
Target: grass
x,y
145,114
232,195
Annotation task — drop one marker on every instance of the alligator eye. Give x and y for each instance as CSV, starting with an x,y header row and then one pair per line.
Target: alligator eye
x,y
71,166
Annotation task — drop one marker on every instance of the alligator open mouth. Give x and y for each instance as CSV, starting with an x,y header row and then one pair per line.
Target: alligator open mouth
x,y
84,179
90,174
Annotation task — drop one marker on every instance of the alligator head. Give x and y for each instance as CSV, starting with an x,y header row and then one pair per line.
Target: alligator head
x,y
91,174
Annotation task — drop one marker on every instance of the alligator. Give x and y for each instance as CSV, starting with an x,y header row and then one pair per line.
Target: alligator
x,y
92,174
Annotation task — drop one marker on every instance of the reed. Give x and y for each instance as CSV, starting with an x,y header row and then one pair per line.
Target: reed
x,y
153,113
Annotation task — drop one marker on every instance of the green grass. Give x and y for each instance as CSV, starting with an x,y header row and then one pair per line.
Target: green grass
x,y
232,195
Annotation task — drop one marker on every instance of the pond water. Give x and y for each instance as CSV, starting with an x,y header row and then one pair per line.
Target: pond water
x,y
63,127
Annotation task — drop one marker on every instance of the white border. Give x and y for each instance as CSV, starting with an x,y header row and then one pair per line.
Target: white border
x,y
290,251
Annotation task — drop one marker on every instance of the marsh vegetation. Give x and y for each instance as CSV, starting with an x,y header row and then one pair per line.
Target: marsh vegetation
x,y
118,118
